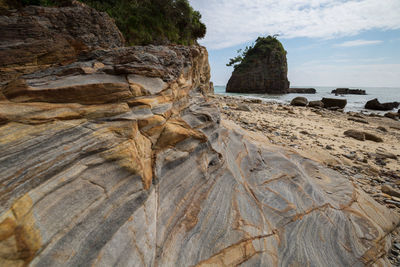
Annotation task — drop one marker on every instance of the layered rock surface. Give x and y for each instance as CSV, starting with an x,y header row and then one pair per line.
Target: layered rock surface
x,y
121,160
36,37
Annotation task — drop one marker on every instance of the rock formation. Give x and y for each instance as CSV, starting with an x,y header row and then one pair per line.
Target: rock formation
x,y
262,71
120,159
302,91
347,91
35,37
374,104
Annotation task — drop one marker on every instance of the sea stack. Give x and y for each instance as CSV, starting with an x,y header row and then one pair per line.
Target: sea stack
x,y
261,69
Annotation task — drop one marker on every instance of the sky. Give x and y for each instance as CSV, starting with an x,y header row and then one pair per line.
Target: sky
x,y
346,43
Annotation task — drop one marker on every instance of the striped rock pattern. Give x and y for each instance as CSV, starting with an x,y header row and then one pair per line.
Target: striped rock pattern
x,y
119,159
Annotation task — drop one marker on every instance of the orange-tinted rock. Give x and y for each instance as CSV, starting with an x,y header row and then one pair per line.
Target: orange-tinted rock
x,y
82,89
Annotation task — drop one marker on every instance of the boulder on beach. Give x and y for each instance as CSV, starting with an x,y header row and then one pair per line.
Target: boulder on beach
x,y
302,90
334,102
316,104
362,136
374,104
299,101
347,91
260,69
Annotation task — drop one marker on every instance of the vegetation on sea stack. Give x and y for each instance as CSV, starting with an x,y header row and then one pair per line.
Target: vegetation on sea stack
x,y
262,47
144,22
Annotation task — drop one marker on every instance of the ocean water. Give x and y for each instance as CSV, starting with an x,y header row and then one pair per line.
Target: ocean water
x,y
354,102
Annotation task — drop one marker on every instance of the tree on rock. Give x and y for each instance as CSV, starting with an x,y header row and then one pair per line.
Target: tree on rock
x,y
260,68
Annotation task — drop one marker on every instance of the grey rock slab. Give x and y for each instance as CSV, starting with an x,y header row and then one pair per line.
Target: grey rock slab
x,y
152,85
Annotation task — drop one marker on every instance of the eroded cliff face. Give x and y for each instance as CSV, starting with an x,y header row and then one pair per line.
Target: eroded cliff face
x,y
119,159
34,37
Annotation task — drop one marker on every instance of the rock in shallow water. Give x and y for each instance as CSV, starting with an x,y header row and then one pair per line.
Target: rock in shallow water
x,y
374,104
347,91
302,91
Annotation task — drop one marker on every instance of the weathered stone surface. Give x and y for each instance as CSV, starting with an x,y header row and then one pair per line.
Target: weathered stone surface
x,y
299,101
334,102
150,85
374,104
387,189
100,80
347,91
84,89
88,169
302,91
35,37
156,178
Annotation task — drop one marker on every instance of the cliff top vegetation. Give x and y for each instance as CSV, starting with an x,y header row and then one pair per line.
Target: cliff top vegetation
x,y
262,47
142,22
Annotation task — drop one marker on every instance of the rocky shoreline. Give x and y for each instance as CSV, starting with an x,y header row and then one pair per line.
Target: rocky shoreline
x,y
321,131
319,134
121,156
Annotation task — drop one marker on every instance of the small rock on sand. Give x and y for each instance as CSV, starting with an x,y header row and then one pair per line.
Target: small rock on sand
x,y
385,155
382,129
362,136
243,107
358,120
392,115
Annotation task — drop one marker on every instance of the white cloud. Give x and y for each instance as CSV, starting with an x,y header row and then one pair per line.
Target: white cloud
x,y
232,22
359,43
